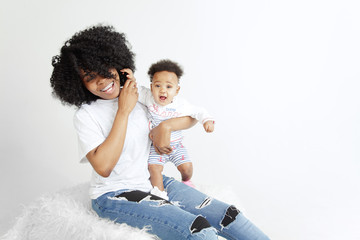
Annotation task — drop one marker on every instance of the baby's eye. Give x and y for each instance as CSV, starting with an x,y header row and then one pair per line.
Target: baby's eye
x,y
157,85
169,86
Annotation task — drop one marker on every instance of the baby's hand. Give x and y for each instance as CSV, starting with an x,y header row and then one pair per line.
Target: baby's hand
x,y
209,126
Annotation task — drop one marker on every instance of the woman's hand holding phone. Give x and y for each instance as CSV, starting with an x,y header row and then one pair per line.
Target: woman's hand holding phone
x,y
128,93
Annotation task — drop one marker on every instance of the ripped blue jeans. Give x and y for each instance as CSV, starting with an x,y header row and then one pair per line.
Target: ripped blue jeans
x,y
190,214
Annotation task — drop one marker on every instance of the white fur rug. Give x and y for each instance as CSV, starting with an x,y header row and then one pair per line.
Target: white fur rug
x,y
67,215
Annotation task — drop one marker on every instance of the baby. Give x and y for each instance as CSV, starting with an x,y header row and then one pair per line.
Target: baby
x,y
162,104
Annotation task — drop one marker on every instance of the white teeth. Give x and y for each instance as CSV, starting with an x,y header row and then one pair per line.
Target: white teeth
x,y
107,87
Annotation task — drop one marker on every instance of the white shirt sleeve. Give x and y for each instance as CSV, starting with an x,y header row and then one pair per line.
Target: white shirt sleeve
x,y
89,133
144,95
199,113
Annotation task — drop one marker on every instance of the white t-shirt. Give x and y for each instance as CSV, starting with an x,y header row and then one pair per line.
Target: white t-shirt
x,y
93,123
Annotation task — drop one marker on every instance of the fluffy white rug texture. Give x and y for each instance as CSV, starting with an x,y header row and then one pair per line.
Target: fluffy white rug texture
x,y
67,215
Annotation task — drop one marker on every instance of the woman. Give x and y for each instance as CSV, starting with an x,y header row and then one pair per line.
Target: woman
x,y
114,137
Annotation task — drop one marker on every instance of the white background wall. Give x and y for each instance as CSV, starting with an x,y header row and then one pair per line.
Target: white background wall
x,y
281,77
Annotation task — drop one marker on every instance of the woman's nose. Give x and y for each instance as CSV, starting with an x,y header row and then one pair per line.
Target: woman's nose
x,y
100,81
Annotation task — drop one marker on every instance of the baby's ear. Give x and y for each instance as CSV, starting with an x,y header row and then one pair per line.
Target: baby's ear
x,y
178,89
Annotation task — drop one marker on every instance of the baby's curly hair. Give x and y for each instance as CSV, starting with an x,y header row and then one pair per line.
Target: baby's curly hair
x,y
165,65
93,51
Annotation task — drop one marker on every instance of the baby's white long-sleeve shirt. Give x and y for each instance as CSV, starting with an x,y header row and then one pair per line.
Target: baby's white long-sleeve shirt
x,y
178,108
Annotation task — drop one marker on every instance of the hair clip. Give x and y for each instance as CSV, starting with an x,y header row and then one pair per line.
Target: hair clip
x,y
55,60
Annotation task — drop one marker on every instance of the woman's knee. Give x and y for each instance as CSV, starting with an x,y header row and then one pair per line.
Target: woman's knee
x,y
201,229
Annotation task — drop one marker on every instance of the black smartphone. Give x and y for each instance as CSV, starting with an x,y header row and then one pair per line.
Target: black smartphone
x,y
122,77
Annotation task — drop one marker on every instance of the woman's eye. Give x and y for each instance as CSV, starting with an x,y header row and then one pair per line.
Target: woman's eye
x,y
89,79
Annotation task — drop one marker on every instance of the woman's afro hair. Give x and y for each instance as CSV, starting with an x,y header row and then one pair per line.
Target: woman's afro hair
x,y
92,51
165,65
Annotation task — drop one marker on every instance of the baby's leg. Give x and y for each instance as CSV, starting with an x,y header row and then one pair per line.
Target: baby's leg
x,y
186,170
156,178
156,165
181,159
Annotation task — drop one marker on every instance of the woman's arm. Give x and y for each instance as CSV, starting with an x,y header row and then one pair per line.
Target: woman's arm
x,y
161,134
104,157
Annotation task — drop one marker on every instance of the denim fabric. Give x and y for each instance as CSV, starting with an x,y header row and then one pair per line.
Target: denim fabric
x,y
213,210
178,219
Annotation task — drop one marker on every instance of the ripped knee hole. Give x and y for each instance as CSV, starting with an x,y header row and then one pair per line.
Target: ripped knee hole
x,y
199,224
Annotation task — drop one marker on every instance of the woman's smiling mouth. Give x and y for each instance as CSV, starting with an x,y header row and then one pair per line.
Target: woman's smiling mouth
x,y
108,88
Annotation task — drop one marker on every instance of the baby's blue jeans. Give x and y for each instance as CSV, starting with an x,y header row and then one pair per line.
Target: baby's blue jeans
x,y
190,214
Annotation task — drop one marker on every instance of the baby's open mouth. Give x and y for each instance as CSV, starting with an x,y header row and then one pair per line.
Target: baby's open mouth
x,y
163,98
108,87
